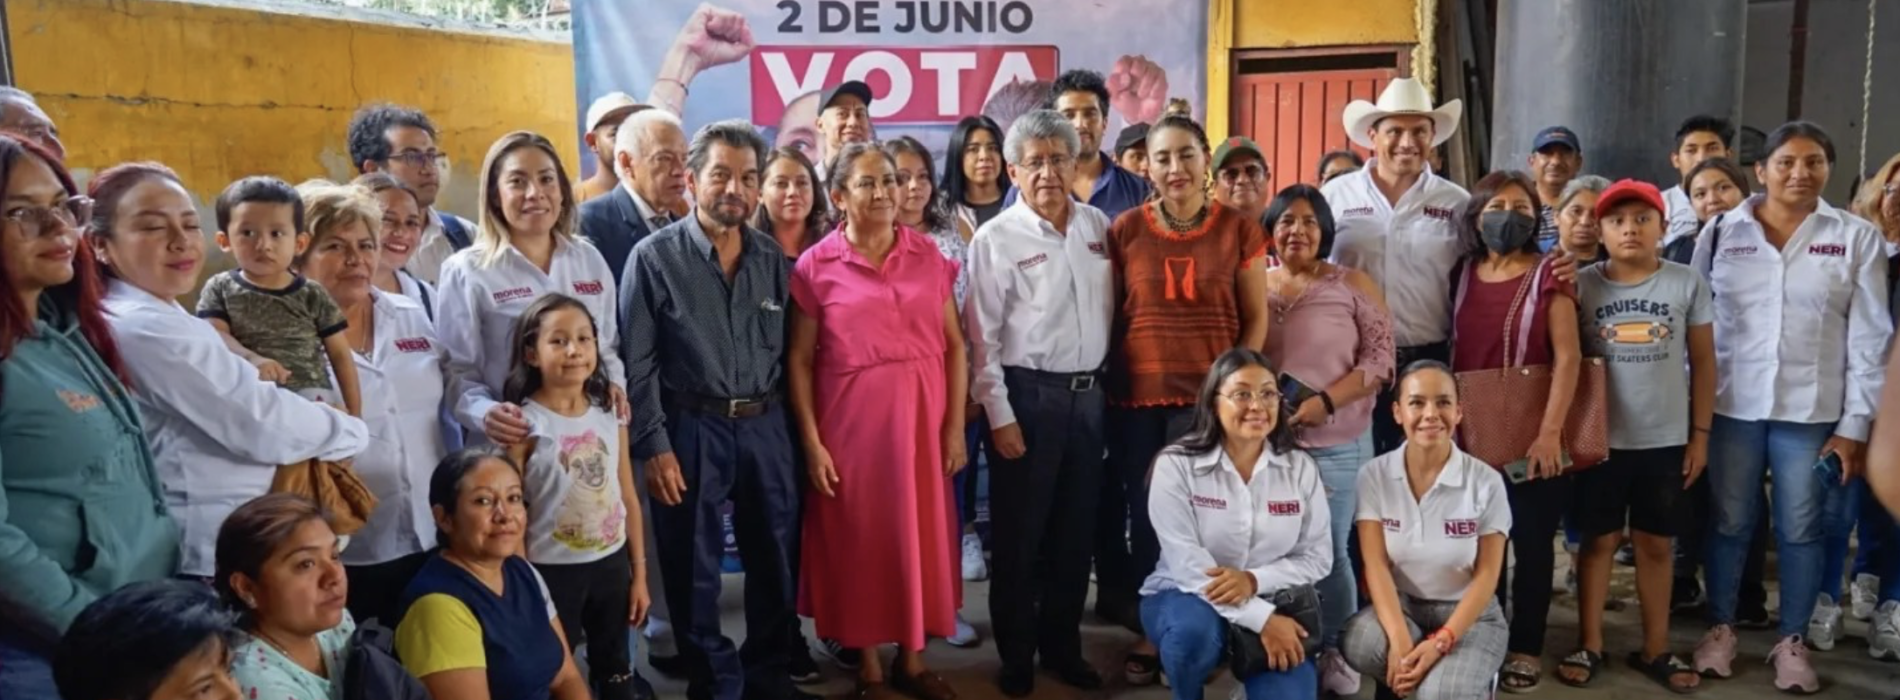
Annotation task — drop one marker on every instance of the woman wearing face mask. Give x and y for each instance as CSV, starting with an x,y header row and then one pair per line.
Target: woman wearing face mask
x,y
1714,187
1432,522
789,206
396,240
922,212
1578,232
1801,327
279,568
222,430
1242,519
1501,279
1193,284
973,190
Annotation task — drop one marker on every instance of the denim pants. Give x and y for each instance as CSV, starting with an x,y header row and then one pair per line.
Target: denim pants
x,y
964,484
1189,636
1739,452
1339,472
1857,511
24,673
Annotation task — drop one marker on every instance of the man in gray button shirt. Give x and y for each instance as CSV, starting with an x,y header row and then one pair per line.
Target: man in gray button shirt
x,y
704,311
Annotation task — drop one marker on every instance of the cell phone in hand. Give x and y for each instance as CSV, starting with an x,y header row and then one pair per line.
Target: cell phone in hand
x,y
1295,392
1828,469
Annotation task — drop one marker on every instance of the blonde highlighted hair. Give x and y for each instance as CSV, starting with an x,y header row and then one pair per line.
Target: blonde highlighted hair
x,y
328,207
1867,201
492,236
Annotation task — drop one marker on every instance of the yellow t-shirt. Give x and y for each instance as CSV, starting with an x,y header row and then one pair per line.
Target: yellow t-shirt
x,y
439,634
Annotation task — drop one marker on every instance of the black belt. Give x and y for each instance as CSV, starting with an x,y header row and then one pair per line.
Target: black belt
x,y
747,407
1078,382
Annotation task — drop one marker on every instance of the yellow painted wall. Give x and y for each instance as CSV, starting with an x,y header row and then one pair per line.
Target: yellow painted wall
x,y
219,92
1235,25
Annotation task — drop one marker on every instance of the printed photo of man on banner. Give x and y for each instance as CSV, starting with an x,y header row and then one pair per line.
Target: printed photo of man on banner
x,y
929,63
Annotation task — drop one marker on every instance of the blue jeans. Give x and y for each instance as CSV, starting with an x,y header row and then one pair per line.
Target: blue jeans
x,y
25,673
964,484
1190,635
1739,452
1859,511
1339,591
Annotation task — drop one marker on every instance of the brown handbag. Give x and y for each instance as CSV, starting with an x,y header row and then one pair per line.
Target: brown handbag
x,y
332,485
1504,407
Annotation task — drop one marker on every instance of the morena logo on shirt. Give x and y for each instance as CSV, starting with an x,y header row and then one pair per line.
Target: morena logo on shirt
x,y
78,401
1461,529
1283,507
1098,249
413,344
1734,251
589,287
1391,524
512,294
1032,261
1831,250
1439,213
1201,501
1357,211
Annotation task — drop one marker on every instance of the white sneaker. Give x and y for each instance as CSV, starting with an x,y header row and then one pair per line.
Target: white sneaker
x,y
1335,677
659,634
965,636
1824,626
974,567
1865,594
1884,643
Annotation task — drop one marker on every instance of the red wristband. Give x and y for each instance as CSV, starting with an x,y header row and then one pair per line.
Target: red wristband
x,y
1443,640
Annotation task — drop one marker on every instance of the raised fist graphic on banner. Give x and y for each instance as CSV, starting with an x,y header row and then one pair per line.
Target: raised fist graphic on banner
x,y
1138,89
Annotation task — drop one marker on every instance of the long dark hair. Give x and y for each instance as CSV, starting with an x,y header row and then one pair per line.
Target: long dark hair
x,y
1482,192
82,295
1207,433
251,534
523,379
955,183
936,217
820,205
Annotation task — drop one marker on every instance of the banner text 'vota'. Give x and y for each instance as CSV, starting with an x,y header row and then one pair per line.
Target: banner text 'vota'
x,y
927,85
905,16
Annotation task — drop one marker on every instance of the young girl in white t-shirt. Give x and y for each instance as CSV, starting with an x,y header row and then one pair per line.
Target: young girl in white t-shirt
x,y
584,526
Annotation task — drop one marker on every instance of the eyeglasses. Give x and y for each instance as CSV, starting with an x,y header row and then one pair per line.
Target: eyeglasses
x,y
34,222
1037,164
1250,171
423,159
1244,399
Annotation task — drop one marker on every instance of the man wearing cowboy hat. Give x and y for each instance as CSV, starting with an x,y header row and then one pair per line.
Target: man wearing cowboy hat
x,y
1397,222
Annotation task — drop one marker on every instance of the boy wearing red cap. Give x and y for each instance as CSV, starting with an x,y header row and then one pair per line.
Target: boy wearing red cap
x,y
1652,322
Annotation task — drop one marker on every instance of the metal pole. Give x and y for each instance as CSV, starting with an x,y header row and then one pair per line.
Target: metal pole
x,y
6,47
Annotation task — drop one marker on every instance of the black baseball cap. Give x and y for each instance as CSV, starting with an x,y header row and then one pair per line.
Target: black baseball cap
x,y
855,88
1133,135
1552,135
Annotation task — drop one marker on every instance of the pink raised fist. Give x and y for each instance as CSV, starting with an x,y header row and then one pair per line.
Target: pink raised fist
x,y
1138,89
715,36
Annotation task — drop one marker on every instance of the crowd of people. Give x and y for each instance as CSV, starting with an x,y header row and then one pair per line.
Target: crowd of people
x,y
1291,433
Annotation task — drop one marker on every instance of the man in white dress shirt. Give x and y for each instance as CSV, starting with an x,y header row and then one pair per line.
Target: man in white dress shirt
x,y
1397,223
1700,138
1039,308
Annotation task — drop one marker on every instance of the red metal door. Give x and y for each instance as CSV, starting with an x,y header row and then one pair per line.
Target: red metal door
x,y
1295,116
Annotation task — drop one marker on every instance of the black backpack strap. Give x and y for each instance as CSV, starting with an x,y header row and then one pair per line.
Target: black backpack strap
x,y
1715,246
452,228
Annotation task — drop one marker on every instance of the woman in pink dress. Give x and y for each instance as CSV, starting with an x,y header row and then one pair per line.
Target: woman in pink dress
x,y
876,349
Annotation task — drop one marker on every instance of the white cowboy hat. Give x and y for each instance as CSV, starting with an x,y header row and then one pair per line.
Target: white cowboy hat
x,y
1401,96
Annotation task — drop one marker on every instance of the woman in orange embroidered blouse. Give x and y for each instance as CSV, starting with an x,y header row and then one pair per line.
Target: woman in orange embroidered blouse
x,y
1191,284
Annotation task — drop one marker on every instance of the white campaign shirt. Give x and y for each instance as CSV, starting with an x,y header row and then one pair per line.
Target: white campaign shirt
x,y
476,316
1408,248
402,381
1433,541
433,248
218,433
1276,526
1681,215
1800,332
421,292
1038,299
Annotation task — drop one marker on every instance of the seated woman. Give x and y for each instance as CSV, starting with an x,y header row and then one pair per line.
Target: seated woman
x,y
278,566
1432,525
477,622
154,640
1240,515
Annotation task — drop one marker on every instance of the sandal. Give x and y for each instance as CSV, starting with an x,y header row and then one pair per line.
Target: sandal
x,y
1519,676
1140,669
1589,661
1664,669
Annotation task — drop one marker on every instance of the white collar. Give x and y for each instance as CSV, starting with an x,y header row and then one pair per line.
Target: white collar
x,y
1452,476
647,212
1217,458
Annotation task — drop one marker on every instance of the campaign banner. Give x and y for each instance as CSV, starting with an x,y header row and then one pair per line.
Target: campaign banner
x,y
929,62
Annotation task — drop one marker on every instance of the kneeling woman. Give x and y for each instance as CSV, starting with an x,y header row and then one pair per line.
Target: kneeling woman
x,y
1432,524
1242,519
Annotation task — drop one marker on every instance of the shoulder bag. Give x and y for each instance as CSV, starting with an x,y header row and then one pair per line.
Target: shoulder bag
x,y
334,486
1247,655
